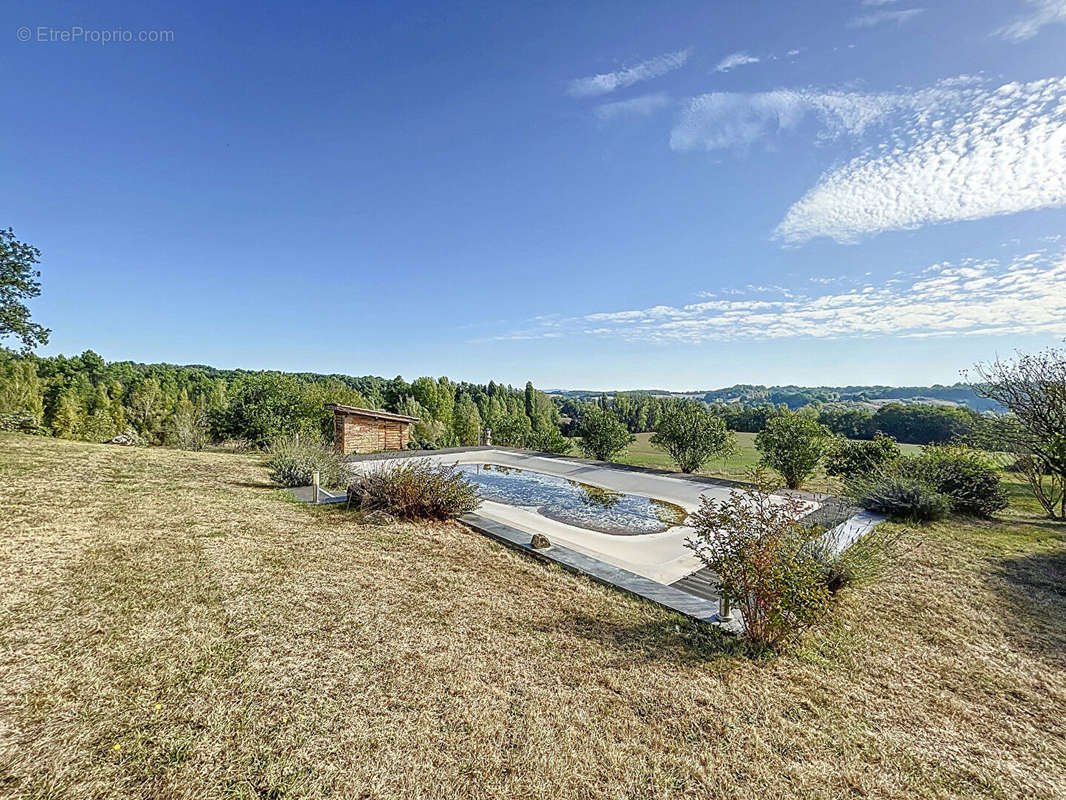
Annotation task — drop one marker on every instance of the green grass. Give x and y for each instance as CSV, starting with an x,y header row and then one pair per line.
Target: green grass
x,y
173,626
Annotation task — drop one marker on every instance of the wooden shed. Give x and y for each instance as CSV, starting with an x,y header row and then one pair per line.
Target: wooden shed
x,y
364,430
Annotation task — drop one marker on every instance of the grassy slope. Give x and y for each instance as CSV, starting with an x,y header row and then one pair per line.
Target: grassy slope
x,y
643,454
171,626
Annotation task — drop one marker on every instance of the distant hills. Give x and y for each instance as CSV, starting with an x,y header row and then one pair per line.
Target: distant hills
x,y
958,394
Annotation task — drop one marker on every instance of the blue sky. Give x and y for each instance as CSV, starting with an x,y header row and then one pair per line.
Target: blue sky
x,y
591,195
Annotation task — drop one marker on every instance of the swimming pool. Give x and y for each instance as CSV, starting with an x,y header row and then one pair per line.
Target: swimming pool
x,y
572,502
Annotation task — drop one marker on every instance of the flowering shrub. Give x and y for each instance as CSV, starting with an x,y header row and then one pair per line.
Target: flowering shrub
x,y
757,545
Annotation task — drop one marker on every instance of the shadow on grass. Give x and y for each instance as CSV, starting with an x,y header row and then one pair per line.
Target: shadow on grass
x,y
1033,590
254,484
673,639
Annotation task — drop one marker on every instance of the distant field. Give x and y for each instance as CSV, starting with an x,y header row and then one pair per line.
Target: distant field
x,y
642,453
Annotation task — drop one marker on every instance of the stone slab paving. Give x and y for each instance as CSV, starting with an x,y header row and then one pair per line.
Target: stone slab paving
x,y
701,609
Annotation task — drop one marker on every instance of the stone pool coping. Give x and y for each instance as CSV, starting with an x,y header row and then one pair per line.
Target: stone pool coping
x,y
700,609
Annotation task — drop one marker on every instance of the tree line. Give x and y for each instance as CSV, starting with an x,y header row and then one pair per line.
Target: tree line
x,y
911,423
86,397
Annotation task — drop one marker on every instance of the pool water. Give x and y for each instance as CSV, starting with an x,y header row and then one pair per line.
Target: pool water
x,y
574,503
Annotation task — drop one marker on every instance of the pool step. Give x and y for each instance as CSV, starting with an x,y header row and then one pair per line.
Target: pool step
x,y
680,601
701,583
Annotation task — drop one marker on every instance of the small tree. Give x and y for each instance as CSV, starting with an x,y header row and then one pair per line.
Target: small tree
x,y
1033,389
793,444
467,422
692,435
512,430
758,547
549,440
18,282
602,435
846,458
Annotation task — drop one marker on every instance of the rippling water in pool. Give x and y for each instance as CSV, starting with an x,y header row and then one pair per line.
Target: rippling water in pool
x,y
574,503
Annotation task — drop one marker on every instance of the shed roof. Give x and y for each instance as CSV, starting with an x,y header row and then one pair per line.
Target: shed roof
x,y
370,412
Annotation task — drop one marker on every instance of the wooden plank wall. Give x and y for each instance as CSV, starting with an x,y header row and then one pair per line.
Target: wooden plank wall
x,y
355,434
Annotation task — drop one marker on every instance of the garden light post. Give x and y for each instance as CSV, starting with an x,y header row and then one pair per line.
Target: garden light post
x,y
725,613
314,485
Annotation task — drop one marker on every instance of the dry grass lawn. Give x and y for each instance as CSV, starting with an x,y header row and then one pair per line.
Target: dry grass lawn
x,y
171,626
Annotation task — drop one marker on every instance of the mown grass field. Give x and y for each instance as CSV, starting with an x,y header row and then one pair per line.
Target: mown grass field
x,y
642,453
172,626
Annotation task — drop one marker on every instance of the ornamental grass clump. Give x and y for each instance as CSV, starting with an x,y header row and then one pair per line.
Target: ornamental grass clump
x,y
414,489
291,462
758,546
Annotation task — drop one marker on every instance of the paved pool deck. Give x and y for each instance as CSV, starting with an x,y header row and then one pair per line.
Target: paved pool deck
x,y
660,557
675,581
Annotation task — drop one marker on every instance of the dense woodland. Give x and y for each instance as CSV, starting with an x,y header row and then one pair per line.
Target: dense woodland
x,y
84,397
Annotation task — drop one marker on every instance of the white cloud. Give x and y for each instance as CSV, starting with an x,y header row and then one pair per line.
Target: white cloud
x,y
1041,13
973,297
878,2
637,107
646,70
881,17
734,60
721,120
962,152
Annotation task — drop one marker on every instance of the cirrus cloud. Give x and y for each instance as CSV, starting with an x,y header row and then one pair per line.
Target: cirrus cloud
x,y
636,107
975,153
734,60
876,18
607,82
1026,295
1041,13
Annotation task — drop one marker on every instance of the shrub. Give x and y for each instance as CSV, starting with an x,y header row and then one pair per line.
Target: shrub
x,y
965,476
414,489
602,435
756,544
793,444
902,490
20,421
549,440
692,435
512,431
292,461
846,458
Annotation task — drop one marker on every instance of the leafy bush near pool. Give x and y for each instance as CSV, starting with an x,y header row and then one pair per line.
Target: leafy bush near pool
x,y
692,435
415,489
927,487
847,458
550,440
901,491
759,548
291,463
792,443
967,478
602,436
